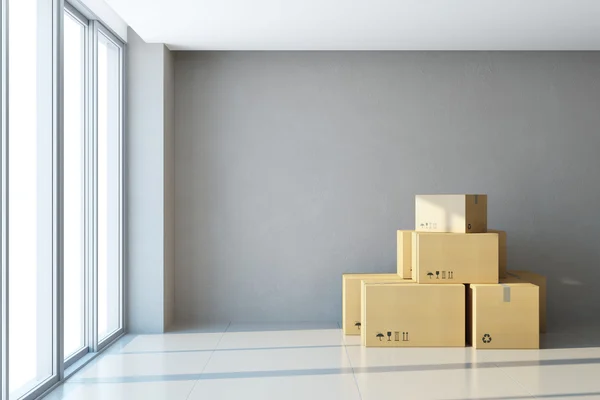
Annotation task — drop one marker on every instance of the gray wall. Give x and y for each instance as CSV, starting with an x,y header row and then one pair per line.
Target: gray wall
x,y
293,168
149,132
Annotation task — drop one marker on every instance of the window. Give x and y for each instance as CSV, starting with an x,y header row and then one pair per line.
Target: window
x,y
30,195
109,186
74,179
61,277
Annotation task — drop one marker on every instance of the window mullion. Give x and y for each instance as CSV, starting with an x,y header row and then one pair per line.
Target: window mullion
x,y
4,204
58,140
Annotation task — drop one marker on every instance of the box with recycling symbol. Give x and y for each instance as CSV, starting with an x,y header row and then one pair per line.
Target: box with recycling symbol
x,y
503,316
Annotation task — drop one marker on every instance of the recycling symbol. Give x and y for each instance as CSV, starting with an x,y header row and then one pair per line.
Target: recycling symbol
x,y
486,338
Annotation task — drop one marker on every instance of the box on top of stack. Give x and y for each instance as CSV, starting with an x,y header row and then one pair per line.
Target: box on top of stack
x,y
450,249
451,213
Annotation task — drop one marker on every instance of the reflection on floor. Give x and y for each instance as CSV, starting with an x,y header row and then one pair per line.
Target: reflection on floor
x,y
315,361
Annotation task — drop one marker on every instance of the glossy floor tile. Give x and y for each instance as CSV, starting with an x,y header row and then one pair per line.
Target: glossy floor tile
x,y
240,336
124,391
316,361
278,360
564,371
310,387
123,367
173,342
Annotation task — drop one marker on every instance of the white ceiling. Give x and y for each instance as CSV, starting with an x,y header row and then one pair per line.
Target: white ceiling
x,y
365,24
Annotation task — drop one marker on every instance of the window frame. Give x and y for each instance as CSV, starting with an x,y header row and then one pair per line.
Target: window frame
x,y
100,29
56,273
94,28
4,203
85,23
61,367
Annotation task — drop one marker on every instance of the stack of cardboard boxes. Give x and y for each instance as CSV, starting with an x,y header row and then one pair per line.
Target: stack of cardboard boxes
x,y
452,287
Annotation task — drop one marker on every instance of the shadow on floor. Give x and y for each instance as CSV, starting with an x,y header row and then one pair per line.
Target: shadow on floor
x,y
192,327
336,371
541,396
326,346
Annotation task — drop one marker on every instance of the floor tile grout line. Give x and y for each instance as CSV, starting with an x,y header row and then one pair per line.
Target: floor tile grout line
x,y
208,361
516,380
350,362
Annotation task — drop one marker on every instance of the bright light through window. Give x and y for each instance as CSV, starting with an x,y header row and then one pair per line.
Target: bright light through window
x,y
87,178
30,194
109,130
74,195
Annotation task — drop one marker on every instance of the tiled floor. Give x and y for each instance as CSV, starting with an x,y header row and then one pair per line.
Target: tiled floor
x,y
315,361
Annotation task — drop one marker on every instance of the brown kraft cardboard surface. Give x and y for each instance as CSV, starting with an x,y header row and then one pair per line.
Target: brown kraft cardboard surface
x,y
413,315
351,298
504,316
441,258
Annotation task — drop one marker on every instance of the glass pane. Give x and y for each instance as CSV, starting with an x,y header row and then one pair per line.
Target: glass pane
x,y
109,132
74,196
30,194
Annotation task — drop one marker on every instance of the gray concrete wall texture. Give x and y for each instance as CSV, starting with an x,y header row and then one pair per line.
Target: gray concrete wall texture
x,y
295,167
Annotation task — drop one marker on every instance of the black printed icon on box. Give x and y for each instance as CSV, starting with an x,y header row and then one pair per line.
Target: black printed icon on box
x,y
357,324
437,274
486,338
443,274
405,336
389,334
430,274
397,336
380,336
450,274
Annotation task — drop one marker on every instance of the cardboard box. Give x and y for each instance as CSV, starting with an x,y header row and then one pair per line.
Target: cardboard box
x,y
456,213
504,316
440,258
502,255
351,298
536,279
404,254
412,315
